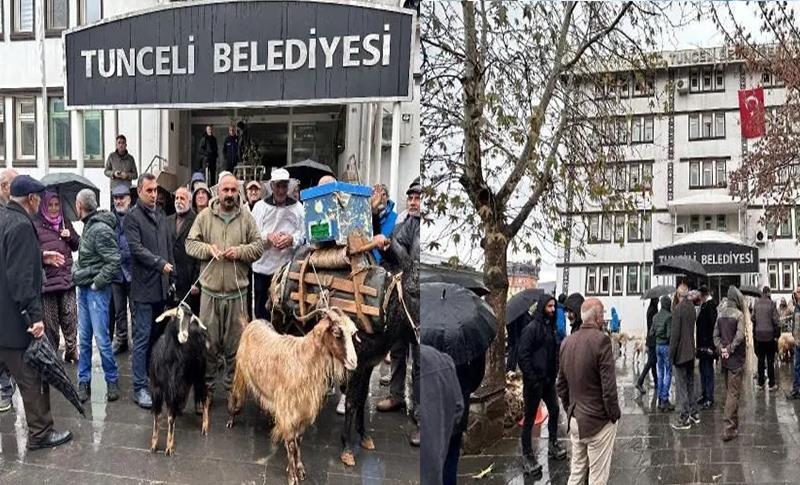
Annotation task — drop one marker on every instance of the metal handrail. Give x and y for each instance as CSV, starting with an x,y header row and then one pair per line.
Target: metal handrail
x,y
161,162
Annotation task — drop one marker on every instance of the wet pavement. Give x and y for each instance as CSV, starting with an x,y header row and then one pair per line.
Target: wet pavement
x,y
648,451
111,446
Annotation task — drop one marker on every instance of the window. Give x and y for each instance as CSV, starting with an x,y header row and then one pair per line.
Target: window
x,y
780,229
786,276
605,235
605,272
2,123
694,81
643,84
634,176
773,275
634,230
619,274
647,176
25,128
703,126
722,223
707,174
642,129
93,135
619,228
694,174
56,12
647,227
23,17
694,223
769,80
722,175
591,280
708,223
720,80
785,228
618,174
646,271
58,130
633,279
594,228
90,11
707,79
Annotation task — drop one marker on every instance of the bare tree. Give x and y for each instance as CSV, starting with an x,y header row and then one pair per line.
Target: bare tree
x,y
522,120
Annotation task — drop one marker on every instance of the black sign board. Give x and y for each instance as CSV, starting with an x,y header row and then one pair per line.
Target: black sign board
x,y
716,258
241,53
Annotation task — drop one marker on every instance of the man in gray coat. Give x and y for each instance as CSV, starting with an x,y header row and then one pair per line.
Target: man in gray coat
x,y
682,355
765,336
120,165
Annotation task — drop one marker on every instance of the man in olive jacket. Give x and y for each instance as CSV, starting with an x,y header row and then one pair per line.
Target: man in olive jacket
x,y
225,237
682,354
152,266
21,307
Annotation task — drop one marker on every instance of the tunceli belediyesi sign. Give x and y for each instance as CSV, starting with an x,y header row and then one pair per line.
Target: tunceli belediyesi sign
x,y
241,53
716,258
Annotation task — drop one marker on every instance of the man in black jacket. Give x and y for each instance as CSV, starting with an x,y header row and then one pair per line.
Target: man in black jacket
x,y
187,268
650,366
21,307
538,359
209,152
766,330
706,353
682,353
151,251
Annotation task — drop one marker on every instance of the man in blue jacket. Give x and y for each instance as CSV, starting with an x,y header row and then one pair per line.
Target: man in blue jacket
x,y
383,218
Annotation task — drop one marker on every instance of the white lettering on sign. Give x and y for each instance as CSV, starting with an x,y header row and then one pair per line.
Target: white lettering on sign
x,y
243,56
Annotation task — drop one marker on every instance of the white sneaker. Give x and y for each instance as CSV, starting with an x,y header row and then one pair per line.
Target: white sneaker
x,y
340,408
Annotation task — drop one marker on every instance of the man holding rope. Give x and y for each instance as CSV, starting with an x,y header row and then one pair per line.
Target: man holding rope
x,y
225,238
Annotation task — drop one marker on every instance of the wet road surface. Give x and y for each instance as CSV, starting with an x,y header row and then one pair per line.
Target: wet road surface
x,y
112,445
648,451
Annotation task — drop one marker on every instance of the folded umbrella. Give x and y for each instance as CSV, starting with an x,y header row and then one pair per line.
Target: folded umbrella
x,y
459,279
455,321
67,186
682,265
41,357
521,302
308,172
658,292
750,291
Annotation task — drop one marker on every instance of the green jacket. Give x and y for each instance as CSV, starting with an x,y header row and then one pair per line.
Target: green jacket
x,y
98,255
662,321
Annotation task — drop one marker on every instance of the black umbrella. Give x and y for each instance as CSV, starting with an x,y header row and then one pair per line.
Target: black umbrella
x,y
521,302
658,292
41,357
573,303
67,186
459,279
750,291
682,265
308,172
455,321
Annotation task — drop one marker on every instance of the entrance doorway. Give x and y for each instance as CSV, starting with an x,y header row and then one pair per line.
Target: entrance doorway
x,y
718,285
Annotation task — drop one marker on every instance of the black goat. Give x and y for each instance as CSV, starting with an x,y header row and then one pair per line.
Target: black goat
x,y
178,363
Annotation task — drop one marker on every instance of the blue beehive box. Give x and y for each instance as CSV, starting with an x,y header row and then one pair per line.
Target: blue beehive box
x,y
335,211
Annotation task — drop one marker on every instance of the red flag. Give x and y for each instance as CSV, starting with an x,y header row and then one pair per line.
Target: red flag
x,y
751,112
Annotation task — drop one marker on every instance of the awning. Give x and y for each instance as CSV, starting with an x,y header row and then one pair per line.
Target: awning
x,y
718,252
705,203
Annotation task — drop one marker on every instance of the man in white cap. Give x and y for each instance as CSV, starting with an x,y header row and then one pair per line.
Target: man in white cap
x,y
280,223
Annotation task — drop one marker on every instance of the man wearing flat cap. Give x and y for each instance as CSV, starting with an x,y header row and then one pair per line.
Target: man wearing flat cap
x,y
21,306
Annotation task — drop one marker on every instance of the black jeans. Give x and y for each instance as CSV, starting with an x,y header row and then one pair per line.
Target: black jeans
x,y
261,284
120,293
650,365
534,391
765,351
450,470
706,364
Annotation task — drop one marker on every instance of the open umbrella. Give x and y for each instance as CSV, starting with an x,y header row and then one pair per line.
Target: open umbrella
x,y
455,321
459,279
658,292
682,265
67,186
750,291
308,172
521,302
41,357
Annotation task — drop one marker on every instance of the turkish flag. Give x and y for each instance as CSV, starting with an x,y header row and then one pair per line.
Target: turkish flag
x,y
751,112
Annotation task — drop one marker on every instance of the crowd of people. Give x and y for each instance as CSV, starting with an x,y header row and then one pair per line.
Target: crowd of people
x,y
217,252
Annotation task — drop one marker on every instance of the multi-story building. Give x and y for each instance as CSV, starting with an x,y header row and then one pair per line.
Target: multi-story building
x,y
680,150
37,134
521,276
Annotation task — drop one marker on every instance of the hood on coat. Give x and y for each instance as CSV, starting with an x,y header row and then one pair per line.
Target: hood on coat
x,y
102,217
541,303
666,303
197,188
736,299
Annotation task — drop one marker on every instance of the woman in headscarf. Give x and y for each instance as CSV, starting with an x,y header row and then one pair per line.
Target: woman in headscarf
x,y
58,293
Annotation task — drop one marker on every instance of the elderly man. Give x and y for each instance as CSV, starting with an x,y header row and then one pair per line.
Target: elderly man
x,y
97,265
587,386
121,286
279,219
209,152
120,165
6,385
729,338
21,307
226,238
153,270
682,354
188,268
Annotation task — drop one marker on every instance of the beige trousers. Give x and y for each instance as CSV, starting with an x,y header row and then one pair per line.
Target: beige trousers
x,y
591,456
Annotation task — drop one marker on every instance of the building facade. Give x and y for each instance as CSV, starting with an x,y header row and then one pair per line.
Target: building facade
x,y
681,139
522,276
38,136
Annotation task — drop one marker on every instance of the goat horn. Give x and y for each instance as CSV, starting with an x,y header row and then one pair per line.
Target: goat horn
x,y
167,314
200,323
309,316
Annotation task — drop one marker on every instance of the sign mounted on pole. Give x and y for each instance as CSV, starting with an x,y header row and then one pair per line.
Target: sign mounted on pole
x,y
241,53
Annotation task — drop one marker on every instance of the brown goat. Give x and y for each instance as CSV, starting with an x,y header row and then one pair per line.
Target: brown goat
x,y
290,376
786,345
